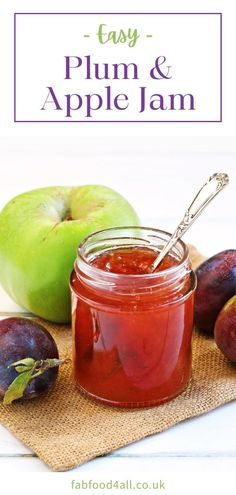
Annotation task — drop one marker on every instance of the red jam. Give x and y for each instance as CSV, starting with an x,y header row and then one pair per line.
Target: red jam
x,y
131,329
134,261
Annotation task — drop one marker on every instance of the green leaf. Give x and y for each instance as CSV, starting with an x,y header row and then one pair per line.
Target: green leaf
x,y
28,369
21,369
25,364
17,387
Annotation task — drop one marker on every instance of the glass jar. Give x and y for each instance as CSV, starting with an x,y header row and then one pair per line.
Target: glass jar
x,y
131,332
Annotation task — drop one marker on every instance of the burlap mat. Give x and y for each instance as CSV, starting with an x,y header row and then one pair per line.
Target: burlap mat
x,y
65,429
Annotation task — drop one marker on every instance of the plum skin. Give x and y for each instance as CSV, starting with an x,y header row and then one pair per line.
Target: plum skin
x,y
21,338
216,278
225,330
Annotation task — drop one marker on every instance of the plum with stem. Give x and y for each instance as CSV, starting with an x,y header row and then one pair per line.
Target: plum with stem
x,y
28,359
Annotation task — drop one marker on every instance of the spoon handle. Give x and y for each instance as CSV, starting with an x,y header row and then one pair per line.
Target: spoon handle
x,y
208,191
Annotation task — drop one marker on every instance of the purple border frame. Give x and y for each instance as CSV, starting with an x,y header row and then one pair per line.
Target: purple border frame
x,y
121,121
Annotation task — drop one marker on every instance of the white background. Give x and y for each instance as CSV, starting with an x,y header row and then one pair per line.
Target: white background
x,y
158,168
159,177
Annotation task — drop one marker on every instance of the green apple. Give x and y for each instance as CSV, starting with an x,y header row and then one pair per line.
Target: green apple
x,y
40,231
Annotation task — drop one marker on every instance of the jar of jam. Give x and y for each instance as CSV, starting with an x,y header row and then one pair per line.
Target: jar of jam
x,y
131,328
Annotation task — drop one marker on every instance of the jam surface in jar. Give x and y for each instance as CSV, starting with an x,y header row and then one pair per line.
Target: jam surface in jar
x,y
131,261
132,345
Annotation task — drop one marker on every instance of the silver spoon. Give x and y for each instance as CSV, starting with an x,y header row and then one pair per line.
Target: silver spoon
x,y
208,191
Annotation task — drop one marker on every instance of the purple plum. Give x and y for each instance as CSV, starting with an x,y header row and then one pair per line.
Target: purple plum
x,y
225,330
216,279
22,338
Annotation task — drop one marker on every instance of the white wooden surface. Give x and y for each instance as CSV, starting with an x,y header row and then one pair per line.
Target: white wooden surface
x,y
160,185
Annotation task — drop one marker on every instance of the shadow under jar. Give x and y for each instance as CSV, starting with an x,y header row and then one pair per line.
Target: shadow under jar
x,y
131,329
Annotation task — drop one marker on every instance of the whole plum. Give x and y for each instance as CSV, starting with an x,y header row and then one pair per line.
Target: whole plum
x,y
22,338
225,330
216,279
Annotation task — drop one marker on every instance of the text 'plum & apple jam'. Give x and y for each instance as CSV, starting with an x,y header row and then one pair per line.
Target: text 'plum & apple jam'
x,y
131,328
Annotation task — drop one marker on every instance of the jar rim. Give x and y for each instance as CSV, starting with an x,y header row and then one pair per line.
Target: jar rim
x,y
111,276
